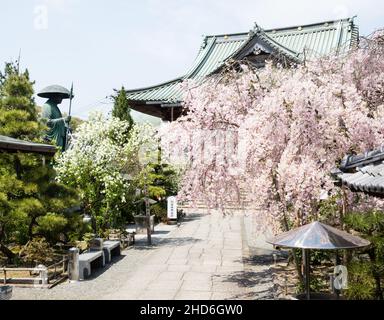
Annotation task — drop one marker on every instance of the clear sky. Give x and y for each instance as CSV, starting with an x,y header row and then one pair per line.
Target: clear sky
x,y
101,45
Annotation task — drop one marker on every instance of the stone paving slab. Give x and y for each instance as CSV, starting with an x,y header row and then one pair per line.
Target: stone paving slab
x,y
207,257
204,268
193,295
157,295
193,285
182,268
197,276
170,275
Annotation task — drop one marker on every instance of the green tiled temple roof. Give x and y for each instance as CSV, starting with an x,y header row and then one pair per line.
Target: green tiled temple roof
x,y
295,43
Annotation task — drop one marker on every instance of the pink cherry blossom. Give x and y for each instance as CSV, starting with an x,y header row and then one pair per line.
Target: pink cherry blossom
x,y
277,132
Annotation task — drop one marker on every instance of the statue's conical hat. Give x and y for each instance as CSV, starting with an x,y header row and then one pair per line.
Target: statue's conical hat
x,y
54,91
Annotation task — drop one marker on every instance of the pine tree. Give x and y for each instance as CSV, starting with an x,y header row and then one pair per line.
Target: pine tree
x,y
18,117
121,107
161,180
27,188
370,224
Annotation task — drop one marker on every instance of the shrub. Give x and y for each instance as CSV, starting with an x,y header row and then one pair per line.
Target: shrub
x,y
51,226
361,285
37,251
159,211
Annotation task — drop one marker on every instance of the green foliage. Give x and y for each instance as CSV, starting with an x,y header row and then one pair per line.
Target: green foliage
x,y
51,226
18,117
370,225
319,282
85,241
99,163
161,181
127,212
76,228
160,211
316,283
27,188
329,210
38,251
317,257
121,107
75,123
361,285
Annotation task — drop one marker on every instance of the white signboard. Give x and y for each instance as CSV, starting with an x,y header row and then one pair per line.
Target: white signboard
x,y
172,207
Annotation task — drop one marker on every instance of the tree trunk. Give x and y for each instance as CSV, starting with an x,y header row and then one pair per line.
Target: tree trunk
x,y
298,266
379,291
376,276
94,225
8,253
17,166
347,254
343,211
294,255
30,228
159,151
3,248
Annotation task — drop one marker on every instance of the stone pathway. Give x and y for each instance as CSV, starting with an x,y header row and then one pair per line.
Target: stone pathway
x,y
207,257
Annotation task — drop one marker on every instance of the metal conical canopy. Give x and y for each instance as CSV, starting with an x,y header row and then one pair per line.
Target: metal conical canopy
x,y
54,91
317,235
142,200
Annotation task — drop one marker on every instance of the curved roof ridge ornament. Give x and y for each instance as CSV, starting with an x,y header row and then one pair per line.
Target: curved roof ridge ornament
x,y
205,41
257,28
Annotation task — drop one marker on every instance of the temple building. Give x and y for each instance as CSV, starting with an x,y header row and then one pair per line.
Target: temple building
x,y
290,45
362,172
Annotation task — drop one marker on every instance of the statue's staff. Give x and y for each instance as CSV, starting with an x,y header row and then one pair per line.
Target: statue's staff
x,y
70,100
69,117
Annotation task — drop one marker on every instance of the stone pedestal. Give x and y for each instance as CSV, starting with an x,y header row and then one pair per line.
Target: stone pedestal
x,y
141,223
73,265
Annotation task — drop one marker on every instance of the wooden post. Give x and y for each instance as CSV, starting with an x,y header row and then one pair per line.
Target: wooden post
x,y
159,151
344,206
5,276
307,273
147,210
148,216
347,254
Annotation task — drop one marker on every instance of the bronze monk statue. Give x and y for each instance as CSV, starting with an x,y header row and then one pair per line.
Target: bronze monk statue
x,y
57,124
